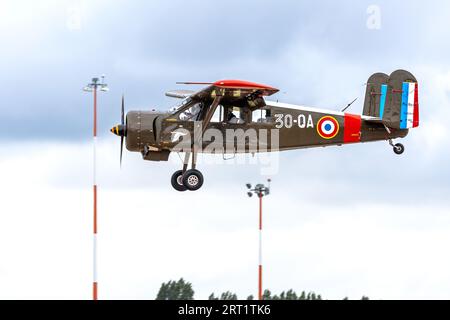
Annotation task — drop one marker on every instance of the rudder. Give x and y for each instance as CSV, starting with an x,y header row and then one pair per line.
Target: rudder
x,y
394,99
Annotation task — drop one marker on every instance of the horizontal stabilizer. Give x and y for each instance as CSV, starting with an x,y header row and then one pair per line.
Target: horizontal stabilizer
x,y
373,119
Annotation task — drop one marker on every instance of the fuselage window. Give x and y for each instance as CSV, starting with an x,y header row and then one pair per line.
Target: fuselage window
x,y
262,116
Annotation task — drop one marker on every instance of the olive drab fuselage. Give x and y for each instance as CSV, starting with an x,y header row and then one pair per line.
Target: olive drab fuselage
x,y
297,128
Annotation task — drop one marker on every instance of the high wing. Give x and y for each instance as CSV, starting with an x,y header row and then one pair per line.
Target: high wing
x,y
234,92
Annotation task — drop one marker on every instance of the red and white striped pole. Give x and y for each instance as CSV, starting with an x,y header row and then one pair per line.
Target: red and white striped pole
x,y
94,173
260,248
92,87
260,190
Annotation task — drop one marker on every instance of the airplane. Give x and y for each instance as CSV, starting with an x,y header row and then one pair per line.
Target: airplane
x,y
235,117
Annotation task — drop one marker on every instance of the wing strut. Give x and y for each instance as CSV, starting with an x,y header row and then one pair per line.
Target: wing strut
x,y
210,112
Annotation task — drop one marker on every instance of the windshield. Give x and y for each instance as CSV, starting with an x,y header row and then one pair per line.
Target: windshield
x,y
180,105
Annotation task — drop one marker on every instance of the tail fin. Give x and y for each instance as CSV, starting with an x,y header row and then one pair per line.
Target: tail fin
x,y
394,99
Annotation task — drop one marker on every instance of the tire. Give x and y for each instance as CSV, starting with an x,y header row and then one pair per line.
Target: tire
x,y
399,148
177,181
193,179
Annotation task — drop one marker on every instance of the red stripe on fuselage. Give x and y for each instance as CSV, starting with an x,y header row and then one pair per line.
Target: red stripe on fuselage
x,y
352,128
416,106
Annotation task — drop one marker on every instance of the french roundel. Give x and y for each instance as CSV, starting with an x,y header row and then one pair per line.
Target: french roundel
x,y
327,127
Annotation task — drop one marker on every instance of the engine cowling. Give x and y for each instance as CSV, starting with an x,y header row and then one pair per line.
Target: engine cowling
x,y
140,127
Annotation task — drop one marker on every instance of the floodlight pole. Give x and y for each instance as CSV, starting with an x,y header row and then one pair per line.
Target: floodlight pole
x,y
260,190
92,87
260,248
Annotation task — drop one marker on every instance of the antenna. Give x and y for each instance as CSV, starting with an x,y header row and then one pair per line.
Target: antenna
x,y
190,82
349,105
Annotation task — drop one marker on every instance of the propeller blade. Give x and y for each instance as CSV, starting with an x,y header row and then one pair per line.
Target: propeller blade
x,y
120,129
121,150
122,118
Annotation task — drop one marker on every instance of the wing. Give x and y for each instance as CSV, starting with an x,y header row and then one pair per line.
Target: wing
x,y
235,92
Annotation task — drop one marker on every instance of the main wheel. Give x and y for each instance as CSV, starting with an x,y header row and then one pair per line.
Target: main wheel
x,y
399,148
177,181
192,179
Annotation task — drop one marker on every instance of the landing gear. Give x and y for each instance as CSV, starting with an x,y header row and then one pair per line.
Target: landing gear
x,y
398,147
185,179
177,181
193,179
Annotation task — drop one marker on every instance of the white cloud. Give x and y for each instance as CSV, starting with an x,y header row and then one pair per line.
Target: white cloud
x,y
148,235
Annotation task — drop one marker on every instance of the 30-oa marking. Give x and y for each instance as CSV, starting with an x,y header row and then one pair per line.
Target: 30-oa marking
x,y
286,120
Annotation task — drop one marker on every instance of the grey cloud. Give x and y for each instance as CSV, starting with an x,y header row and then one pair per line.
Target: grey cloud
x,y
145,47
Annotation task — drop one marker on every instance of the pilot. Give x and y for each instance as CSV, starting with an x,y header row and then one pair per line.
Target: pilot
x,y
191,113
231,118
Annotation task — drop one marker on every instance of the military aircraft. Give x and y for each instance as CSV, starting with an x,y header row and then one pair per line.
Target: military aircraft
x,y
235,117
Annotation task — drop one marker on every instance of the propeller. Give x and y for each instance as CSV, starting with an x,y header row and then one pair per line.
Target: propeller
x,y
120,129
122,122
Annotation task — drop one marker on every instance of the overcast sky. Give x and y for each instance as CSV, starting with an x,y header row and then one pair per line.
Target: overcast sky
x,y
349,221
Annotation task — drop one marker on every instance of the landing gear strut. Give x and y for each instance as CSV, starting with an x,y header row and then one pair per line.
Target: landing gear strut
x,y
398,147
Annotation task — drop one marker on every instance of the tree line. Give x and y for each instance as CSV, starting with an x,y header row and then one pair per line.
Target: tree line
x,y
182,290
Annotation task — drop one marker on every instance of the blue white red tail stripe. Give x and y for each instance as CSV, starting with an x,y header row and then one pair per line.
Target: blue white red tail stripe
x,y
409,112
404,106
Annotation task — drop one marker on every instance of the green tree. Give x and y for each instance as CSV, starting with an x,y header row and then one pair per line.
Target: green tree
x,y
212,297
302,296
251,297
267,295
227,295
291,295
176,290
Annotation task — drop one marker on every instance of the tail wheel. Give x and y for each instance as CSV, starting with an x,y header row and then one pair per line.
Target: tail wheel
x,y
177,181
399,148
192,179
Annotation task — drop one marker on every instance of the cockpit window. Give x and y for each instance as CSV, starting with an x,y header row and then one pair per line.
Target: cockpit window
x,y
179,106
191,113
236,115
